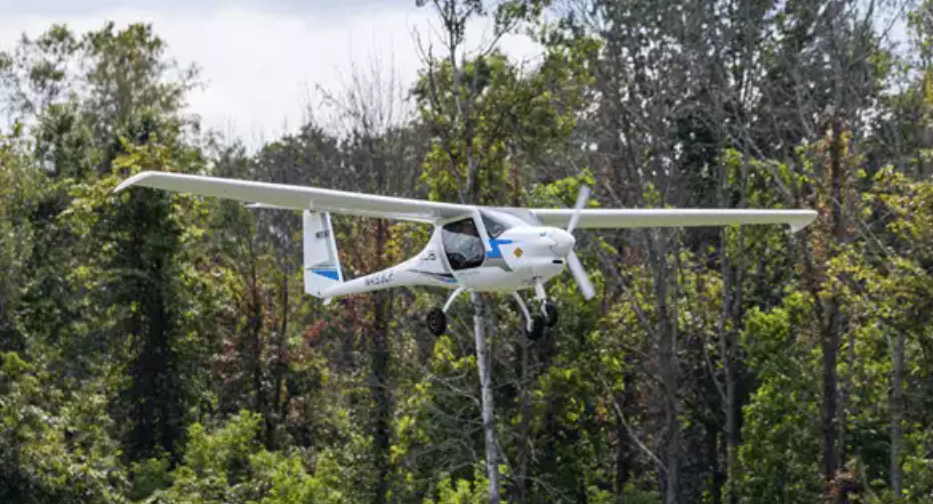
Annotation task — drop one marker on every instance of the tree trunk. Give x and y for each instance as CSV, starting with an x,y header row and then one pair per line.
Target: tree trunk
x,y
252,346
833,323
897,414
524,429
380,381
624,447
727,344
277,412
483,363
717,476
731,434
155,395
667,343
255,339
845,397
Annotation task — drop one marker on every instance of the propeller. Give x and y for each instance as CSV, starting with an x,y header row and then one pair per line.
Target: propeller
x,y
579,274
573,262
582,196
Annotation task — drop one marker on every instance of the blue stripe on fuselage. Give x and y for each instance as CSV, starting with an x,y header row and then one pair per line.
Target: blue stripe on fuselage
x,y
495,253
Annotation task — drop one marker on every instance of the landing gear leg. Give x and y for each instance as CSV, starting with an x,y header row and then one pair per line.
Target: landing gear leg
x,y
534,325
437,317
452,297
548,309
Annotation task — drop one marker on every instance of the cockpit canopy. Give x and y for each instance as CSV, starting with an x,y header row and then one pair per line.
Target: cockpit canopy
x,y
463,245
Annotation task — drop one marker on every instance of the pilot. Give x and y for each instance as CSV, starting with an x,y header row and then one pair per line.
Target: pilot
x,y
462,237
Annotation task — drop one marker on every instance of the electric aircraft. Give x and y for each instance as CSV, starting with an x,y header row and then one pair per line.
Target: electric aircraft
x,y
472,248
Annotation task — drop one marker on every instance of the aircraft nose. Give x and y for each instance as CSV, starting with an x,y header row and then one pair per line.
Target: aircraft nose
x,y
563,241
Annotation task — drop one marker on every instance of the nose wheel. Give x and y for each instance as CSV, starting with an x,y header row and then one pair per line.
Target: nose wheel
x,y
543,318
539,321
548,308
536,331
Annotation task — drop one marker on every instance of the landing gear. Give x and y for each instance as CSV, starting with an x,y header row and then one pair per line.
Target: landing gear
x,y
548,308
534,324
437,321
545,314
437,317
536,330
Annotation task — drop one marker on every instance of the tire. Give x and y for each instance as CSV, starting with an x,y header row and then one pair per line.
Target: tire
x,y
537,328
437,321
551,310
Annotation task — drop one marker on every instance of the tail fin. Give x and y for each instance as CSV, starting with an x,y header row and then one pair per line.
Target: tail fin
x,y
321,263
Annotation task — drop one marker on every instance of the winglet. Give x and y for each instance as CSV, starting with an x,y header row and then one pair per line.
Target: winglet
x,y
806,220
133,180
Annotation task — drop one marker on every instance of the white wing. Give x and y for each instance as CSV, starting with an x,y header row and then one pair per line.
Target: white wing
x,y
639,218
284,196
267,195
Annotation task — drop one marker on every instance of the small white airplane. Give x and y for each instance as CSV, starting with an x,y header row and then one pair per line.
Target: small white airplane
x,y
473,248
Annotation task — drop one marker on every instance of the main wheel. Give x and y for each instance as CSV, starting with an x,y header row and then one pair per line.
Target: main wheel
x,y
437,321
551,310
537,328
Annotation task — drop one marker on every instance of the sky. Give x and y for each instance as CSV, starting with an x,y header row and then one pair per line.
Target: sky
x,y
262,61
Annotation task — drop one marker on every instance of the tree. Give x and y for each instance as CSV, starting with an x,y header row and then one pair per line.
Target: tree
x,y
375,126
159,348
477,110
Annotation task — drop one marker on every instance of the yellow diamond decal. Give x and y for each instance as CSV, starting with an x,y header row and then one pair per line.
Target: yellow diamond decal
x,y
518,252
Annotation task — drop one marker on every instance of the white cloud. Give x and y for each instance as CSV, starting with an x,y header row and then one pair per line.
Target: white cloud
x,y
261,67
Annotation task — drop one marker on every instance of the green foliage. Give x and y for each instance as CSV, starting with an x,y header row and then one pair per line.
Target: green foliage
x,y
149,476
227,465
498,112
159,348
462,491
54,444
781,465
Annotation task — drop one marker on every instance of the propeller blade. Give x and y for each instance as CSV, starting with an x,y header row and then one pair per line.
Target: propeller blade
x,y
582,196
579,274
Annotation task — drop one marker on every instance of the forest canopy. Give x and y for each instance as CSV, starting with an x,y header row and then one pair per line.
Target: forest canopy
x,y
159,348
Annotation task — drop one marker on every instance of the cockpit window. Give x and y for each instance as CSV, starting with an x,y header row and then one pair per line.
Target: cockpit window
x,y
493,226
462,244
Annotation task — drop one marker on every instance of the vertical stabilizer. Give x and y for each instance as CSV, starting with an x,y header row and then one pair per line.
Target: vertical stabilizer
x,y
321,263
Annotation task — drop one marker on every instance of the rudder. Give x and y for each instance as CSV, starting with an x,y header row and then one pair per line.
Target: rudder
x,y
321,262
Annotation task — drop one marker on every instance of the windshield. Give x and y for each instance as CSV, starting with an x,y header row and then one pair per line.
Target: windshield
x,y
493,227
497,222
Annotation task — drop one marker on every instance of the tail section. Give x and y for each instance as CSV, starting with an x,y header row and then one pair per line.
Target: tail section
x,y
321,263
